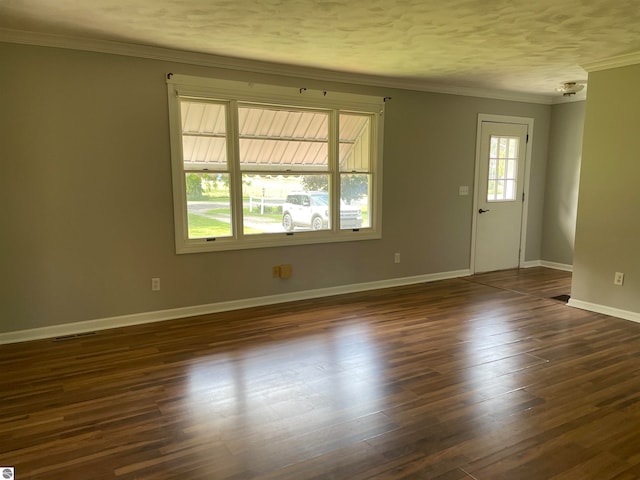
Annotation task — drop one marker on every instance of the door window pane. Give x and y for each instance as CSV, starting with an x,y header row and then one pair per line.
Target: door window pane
x,y
503,169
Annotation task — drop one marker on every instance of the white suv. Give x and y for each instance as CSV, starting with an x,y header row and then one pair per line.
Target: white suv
x,y
311,210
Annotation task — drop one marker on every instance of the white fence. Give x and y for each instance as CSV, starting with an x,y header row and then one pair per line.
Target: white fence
x,y
261,202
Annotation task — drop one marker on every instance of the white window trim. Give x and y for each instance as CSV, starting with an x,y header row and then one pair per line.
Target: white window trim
x,y
180,86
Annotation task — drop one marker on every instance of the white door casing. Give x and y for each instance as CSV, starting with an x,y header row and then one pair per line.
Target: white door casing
x,y
502,175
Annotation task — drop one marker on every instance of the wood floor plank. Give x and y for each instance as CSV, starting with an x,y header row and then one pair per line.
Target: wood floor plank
x,y
480,378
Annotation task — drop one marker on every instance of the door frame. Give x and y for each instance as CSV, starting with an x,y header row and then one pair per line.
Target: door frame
x,y
485,117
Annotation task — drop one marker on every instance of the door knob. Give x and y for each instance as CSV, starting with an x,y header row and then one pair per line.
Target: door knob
x,y
482,211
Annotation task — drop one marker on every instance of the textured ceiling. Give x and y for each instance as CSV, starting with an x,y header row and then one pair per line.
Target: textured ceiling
x,y
527,46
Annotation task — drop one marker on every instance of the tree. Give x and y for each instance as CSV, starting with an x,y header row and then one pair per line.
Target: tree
x,y
353,187
315,183
194,187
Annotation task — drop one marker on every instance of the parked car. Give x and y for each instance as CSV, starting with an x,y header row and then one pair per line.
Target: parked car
x,y
311,210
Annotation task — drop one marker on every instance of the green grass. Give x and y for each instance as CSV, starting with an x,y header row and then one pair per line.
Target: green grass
x,y
256,213
203,227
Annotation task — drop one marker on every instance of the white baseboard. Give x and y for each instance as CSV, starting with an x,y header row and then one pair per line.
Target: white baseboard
x,y
175,313
557,266
530,264
612,312
544,263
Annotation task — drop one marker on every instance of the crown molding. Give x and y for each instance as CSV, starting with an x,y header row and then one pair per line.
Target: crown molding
x,y
255,66
613,62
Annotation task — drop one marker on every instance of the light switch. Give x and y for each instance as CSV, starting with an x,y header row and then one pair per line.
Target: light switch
x,y
463,190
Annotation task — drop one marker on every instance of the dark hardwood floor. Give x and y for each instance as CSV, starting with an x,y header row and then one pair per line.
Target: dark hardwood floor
x,y
483,378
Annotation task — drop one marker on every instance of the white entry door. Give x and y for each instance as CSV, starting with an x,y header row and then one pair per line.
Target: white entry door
x,y
501,173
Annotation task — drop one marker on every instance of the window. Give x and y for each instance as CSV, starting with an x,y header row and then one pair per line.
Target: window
x,y
503,169
261,165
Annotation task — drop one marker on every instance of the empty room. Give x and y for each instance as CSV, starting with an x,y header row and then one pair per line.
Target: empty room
x,y
319,240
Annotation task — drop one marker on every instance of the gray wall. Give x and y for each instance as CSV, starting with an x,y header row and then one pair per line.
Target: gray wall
x,y
563,176
608,223
86,192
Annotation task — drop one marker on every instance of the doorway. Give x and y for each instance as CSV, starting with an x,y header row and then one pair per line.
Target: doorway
x,y
503,150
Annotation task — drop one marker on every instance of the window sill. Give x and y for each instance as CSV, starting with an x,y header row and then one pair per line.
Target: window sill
x,y
273,240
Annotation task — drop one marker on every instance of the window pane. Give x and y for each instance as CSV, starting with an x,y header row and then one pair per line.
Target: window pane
x,y
493,169
204,152
491,190
355,143
503,166
502,148
281,139
493,153
204,142
355,201
208,205
285,203
513,148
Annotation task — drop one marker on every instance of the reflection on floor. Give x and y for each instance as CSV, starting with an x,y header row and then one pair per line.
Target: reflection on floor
x,y
541,282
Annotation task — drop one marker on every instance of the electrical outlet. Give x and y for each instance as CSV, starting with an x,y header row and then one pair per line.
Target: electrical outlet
x,y
155,284
618,278
396,258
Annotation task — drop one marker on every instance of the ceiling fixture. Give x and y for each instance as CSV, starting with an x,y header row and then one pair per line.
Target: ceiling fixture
x,y
570,88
